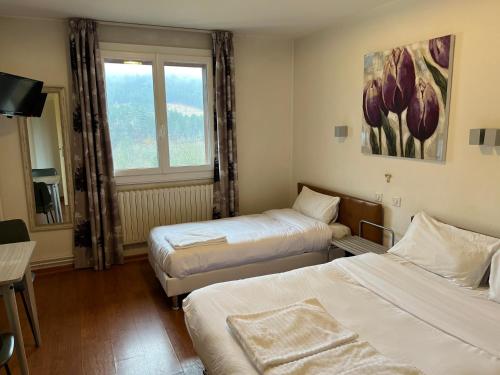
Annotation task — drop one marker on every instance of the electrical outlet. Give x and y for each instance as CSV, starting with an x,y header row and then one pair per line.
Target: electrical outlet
x,y
396,201
379,197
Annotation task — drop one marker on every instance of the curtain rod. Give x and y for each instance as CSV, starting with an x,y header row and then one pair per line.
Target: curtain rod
x,y
139,25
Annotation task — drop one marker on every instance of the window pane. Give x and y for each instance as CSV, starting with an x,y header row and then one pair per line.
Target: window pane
x,y
131,114
185,115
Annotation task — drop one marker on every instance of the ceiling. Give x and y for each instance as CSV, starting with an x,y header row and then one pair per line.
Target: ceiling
x,y
289,18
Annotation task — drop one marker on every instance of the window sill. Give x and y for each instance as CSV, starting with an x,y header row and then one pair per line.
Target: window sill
x,y
162,178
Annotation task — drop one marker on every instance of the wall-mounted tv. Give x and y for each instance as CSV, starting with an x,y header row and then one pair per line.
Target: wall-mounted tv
x,y
20,96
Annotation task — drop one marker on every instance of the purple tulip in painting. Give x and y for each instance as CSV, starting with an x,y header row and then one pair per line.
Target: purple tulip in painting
x,y
406,99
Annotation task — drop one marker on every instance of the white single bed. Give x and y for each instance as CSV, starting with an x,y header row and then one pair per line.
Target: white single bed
x,y
408,314
250,238
272,242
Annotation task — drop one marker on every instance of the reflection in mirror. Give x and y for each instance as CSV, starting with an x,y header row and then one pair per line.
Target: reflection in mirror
x,y
46,165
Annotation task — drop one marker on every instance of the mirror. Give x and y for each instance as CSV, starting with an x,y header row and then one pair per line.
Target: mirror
x,y
47,164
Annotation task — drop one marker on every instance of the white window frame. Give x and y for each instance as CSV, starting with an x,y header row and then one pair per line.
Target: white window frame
x,y
161,56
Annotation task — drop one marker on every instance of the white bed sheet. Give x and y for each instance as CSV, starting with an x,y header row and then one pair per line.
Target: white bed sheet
x,y
250,238
395,333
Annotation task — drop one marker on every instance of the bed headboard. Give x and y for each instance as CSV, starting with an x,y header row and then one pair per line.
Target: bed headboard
x,y
352,210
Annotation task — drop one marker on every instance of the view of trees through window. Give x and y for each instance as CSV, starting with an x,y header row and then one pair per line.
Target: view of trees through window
x,y
185,116
131,115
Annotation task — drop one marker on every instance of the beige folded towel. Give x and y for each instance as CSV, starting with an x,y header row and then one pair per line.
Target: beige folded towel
x,y
185,240
276,337
355,358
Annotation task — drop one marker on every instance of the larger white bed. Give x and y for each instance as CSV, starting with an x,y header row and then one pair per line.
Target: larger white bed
x,y
408,314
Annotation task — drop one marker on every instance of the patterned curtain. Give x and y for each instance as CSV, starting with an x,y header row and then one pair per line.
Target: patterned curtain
x,y
98,234
226,201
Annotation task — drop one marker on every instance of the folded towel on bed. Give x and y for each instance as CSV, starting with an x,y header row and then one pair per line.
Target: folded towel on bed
x,y
288,334
355,358
184,240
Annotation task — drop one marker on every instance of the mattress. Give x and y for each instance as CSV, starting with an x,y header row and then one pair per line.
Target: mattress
x,y
251,238
396,332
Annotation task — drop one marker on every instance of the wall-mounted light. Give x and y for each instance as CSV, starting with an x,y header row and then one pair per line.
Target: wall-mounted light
x,y
486,137
341,131
476,137
492,137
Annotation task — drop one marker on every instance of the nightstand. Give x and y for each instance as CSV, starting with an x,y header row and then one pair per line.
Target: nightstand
x,y
357,245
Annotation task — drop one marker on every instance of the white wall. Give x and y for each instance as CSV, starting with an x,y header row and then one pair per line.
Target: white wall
x,y
44,144
39,49
328,91
263,121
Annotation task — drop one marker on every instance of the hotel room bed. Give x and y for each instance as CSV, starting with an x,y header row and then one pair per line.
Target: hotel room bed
x,y
275,241
408,314
251,238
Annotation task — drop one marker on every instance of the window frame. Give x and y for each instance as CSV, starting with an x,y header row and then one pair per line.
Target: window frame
x,y
161,56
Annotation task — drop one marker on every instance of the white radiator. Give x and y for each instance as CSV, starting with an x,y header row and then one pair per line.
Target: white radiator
x,y
141,210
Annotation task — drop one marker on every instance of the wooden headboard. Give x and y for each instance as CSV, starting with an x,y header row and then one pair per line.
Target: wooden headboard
x,y
352,210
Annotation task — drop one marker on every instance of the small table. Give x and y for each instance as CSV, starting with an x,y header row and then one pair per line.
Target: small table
x,y
14,267
356,245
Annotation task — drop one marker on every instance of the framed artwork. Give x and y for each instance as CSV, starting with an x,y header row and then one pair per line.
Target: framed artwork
x,y
406,100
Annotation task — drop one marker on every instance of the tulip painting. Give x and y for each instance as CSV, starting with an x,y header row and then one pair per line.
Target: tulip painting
x,y
422,116
374,109
406,100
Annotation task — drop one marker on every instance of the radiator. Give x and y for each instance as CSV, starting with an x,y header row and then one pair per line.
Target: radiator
x,y
141,210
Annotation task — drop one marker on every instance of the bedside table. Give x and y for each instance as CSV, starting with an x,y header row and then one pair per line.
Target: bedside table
x,y
357,245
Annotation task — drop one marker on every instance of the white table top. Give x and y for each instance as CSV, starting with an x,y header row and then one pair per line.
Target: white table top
x,y
49,180
14,259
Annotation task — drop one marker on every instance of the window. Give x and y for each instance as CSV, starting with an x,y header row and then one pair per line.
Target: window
x,y
159,112
185,115
131,114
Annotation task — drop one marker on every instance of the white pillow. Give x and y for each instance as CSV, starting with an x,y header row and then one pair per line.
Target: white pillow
x,y
318,206
457,254
339,231
495,278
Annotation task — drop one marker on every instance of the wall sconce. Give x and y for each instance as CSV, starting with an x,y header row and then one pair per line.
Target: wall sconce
x,y
492,137
341,131
486,137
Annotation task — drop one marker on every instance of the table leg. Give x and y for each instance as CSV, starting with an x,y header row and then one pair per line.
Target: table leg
x,y
9,298
32,305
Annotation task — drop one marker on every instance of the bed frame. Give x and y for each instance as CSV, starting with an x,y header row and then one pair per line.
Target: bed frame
x,y
351,211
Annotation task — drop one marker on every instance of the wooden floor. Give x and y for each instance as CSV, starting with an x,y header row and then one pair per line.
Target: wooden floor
x,y
113,322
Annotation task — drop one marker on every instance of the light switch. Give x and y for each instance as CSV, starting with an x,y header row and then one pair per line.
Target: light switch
x,y
396,201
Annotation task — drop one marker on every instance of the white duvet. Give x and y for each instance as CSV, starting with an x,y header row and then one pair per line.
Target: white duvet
x,y
250,238
394,322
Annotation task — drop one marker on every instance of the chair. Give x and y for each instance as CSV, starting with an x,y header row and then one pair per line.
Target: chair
x,y
42,172
6,350
43,200
12,231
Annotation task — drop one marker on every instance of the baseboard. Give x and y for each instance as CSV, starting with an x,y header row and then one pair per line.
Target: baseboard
x,y
48,266
50,263
135,258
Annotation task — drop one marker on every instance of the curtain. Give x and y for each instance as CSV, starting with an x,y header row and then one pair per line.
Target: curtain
x,y
226,201
97,232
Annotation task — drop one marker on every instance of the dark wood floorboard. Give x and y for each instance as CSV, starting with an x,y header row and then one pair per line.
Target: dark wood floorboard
x,y
113,322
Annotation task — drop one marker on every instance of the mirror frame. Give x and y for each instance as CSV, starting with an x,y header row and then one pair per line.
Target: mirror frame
x,y
28,179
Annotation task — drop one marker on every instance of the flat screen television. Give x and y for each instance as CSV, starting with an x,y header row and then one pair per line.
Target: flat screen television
x,y
20,96
37,108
